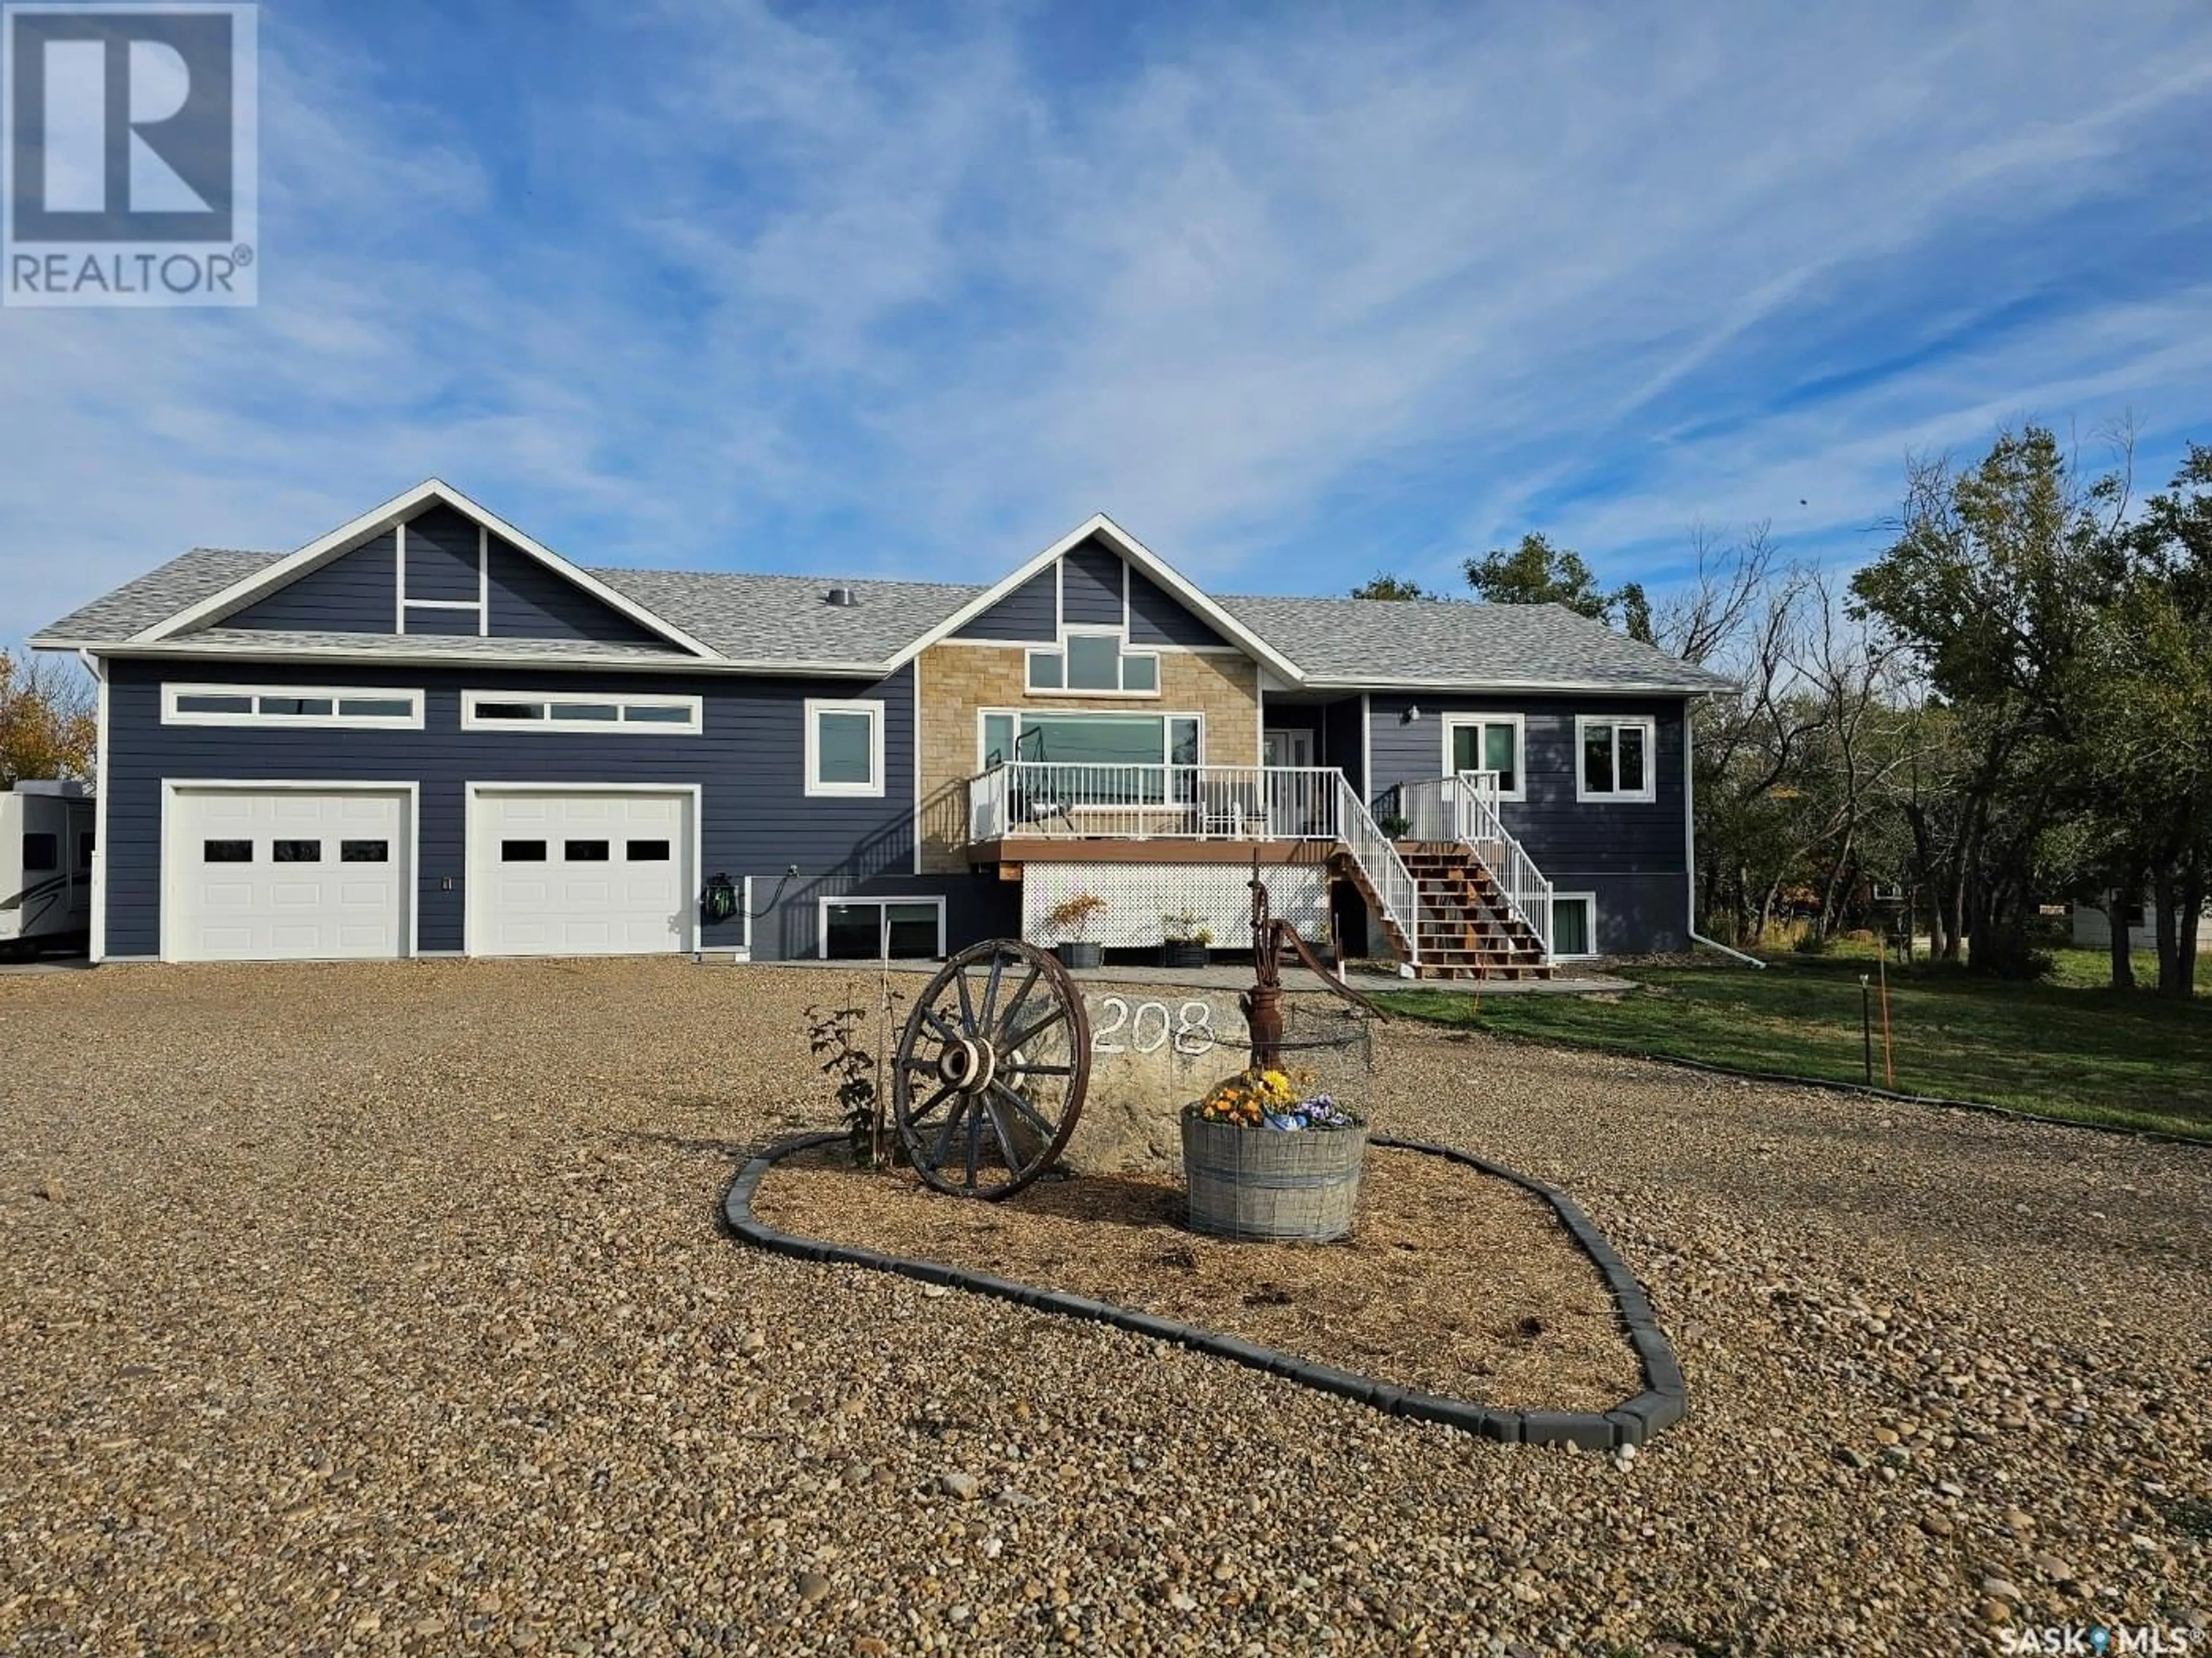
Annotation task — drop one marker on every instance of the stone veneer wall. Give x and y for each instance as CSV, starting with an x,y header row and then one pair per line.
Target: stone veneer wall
x,y
957,681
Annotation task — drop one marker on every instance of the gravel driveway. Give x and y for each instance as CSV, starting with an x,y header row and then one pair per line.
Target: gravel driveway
x,y
381,1308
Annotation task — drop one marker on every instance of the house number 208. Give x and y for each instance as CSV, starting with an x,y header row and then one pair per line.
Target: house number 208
x,y
1151,1026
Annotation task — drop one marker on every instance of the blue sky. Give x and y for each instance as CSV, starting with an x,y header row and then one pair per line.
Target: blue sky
x,y
1294,294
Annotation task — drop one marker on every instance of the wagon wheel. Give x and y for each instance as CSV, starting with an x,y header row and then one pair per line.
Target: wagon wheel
x,y
991,1070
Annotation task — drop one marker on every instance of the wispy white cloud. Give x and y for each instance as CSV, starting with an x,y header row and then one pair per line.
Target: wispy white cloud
x,y
716,284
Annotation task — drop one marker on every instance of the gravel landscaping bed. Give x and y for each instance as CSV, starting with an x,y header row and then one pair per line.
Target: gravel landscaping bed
x,y
382,1308
1453,1282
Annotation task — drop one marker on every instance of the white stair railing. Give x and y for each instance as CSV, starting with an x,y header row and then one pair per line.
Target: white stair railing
x,y
1464,807
1388,877
1526,890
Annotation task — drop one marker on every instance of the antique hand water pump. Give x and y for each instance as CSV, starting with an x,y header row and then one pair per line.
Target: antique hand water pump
x,y
1263,1003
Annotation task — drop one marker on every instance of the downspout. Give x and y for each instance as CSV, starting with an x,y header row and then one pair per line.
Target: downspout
x,y
96,943
1690,846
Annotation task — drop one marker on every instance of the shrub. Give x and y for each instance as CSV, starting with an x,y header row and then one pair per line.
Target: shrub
x,y
2008,953
842,1033
1072,915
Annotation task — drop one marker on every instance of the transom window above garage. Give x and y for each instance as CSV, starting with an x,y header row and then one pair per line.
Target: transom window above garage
x,y
1094,662
271,707
641,714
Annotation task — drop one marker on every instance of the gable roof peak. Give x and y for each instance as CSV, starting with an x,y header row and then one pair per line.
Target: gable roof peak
x,y
399,510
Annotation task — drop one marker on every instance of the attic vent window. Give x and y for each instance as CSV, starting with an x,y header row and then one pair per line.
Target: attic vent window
x,y
843,598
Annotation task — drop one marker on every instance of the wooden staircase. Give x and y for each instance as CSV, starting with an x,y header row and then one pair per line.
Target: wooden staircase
x,y
1467,930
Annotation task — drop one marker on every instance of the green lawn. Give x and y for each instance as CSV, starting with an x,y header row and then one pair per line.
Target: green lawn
x,y
2067,1048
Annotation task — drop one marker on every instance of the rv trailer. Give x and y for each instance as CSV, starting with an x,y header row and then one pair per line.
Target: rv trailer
x,y
46,867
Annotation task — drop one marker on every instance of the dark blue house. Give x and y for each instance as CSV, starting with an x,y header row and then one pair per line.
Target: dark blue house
x,y
425,733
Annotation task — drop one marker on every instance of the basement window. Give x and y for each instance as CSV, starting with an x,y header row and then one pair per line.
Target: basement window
x,y
882,929
1574,925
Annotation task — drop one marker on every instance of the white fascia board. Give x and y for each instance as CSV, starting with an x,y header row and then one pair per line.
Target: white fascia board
x,y
394,512
1134,552
1485,687
186,650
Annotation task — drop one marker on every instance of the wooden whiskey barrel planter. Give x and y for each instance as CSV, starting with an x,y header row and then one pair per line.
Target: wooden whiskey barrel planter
x,y
1270,1184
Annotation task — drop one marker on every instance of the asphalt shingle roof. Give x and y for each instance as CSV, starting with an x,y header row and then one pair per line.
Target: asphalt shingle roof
x,y
786,618
156,596
1446,643
770,619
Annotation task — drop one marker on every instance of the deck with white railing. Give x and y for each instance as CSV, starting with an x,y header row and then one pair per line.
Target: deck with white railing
x,y
1082,800
1029,810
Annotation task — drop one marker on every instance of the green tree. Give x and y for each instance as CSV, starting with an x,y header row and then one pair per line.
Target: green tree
x,y
1994,589
2144,693
46,724
1383,586
1537,573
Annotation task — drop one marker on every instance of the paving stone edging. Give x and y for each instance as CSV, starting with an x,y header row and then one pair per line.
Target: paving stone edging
x,y
1663,1401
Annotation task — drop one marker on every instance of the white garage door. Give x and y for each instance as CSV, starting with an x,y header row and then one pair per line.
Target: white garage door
x,y
589,873
257,875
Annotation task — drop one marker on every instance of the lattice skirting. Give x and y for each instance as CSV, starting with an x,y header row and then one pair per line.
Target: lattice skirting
x,y
1139,896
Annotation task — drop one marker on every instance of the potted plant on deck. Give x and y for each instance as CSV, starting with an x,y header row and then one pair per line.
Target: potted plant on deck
x,y
1266,1157
1185,939
1072,917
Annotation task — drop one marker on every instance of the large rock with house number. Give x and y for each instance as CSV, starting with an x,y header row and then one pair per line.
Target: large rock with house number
x,y
1153,1050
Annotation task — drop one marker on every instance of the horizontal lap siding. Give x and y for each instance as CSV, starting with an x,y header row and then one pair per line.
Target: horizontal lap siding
x,y
355,593
1090,586
1029,613
749,759
442,558
445,624
1344,739
1156,617
1560,832
1632,857
1636,914
529,601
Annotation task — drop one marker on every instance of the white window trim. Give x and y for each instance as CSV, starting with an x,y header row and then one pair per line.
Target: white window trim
x,y
1453,722
1093,630
695,706
172,715
880,900
874,788
1593,952
481,604
1164,715
1649,791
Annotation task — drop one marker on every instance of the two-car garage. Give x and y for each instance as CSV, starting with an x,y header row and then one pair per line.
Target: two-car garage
x,y
307,871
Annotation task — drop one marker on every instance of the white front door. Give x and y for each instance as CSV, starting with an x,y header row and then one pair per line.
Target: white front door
x,y
583,872
263,873
1291,745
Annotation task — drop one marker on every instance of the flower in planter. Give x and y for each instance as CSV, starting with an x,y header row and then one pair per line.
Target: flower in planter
x,y
1273,1099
